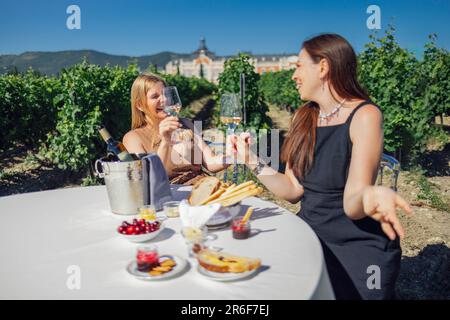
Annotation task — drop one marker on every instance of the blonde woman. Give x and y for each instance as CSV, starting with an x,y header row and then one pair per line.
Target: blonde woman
x,y
152,128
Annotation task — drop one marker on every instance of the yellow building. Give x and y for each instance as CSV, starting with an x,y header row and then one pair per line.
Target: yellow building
x,y
204,63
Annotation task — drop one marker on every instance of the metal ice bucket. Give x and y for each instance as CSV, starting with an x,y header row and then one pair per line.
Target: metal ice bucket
x,y
124,184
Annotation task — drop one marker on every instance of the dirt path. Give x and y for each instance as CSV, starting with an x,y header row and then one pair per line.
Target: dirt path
x,y
21,172
281,118
205,112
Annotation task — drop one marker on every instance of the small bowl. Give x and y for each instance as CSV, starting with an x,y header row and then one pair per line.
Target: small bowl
x,y
224,215
143,237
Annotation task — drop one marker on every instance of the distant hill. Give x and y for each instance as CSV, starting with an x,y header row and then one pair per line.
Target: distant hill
x,y
50,63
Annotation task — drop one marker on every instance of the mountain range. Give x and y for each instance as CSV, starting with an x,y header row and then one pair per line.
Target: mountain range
x,y
51,63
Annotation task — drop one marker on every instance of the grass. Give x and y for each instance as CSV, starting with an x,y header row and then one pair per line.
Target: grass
x,y
428,191
3,174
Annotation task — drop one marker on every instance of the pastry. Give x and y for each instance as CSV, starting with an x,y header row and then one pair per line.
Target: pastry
x,y
224,262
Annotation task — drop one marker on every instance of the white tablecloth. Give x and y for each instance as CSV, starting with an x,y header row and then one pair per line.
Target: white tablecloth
x,y
43,234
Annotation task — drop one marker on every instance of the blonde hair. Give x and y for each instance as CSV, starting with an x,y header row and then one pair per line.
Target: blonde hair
x,y
141,85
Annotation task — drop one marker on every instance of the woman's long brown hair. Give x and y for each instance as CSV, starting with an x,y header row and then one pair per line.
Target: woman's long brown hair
x,y
298,148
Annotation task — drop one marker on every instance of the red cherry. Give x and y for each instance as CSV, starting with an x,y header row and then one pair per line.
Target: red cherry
x,y
130,230
135,222
120,229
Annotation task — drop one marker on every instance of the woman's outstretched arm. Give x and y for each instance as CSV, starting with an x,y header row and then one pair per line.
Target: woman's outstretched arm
x,y
285,186
361,197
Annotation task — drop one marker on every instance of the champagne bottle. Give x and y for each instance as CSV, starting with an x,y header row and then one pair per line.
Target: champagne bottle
x,y
115,147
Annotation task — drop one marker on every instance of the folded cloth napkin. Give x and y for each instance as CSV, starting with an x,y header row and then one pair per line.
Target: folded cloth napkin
x,y
196,216
155,181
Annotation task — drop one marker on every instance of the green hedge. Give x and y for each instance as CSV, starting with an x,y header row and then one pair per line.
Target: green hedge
x,y
279,89
90,95
190,89
406,91
27,111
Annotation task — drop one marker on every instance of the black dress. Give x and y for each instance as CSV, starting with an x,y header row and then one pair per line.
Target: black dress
x,y
353,249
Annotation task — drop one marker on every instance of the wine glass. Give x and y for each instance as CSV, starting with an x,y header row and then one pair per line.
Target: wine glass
x,y
230,111
172,106
231,116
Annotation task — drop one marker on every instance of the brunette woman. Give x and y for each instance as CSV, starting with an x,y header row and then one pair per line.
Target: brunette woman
x,y
332,152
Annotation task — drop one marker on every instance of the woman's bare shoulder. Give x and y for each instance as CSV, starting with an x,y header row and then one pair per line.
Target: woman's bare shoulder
x,y
132,140
131,136
369,113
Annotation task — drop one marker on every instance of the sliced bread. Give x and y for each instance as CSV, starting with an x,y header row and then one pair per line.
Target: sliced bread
x,y
203,189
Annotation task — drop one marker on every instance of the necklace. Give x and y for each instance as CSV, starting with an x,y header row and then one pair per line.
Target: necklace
x,y
325,116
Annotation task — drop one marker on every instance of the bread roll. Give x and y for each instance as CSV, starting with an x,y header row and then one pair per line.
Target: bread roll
x,y
203,189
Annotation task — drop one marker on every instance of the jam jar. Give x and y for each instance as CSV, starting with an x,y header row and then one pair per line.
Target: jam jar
x,y
147,258
241,230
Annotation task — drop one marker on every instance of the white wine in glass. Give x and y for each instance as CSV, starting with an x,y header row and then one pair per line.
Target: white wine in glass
x,y
231,116
172,106
232,121
230,111
172,110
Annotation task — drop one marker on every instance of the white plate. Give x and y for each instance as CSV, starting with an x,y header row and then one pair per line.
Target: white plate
x,y
229,276
181,265
144,236
224,215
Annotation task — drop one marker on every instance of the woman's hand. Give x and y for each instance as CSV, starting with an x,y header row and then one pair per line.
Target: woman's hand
x,y
167,126
380,203
230,149
242,147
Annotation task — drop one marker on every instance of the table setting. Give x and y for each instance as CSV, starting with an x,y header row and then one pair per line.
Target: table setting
x,y
280,258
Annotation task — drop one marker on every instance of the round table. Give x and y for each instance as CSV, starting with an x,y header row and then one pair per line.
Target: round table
x,y
63,244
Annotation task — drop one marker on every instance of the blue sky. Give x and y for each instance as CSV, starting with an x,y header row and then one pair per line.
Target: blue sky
x,y
138,27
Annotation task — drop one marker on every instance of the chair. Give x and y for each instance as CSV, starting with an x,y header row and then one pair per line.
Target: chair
x,y
389,165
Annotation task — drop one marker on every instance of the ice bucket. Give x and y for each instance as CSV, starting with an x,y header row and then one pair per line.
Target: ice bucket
x,y
124,184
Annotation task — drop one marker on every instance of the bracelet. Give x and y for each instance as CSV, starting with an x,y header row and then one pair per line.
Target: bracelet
x,y
259,167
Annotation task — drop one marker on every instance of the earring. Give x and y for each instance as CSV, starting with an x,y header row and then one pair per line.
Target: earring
x,y
323,85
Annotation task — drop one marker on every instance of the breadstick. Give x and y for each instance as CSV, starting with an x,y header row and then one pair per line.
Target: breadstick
x,y
240,187
247,215
233,194
215,195
241,196
229,189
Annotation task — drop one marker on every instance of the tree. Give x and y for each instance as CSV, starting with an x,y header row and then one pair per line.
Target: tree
x,y
436,72
229,81
393,78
